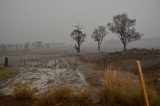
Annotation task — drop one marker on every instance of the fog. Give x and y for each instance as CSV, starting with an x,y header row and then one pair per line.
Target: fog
x,y
52,20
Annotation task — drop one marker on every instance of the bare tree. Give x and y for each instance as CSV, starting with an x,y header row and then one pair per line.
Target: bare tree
x,y
98,35
78,36
124,28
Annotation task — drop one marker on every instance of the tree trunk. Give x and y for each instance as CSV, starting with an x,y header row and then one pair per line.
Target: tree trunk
x,y
124,47
99,48
78,49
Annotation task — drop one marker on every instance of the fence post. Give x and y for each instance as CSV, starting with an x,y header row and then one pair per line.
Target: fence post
x,y
142,82
104,64
55,63
6,62
37,62
24,63
75,64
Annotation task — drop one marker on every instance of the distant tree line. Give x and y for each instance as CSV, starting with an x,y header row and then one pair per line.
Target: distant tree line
x,y
122,26
4,48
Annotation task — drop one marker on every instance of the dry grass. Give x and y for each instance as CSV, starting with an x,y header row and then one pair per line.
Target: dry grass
x,y
65,96
124,88
118,87
60,95
22,91
83,98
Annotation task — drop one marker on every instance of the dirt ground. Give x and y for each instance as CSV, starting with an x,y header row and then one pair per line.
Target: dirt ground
x,y
150,61
44,70
47,70
77,70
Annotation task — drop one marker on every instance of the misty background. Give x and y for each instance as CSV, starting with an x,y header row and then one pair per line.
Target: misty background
x,y
51,21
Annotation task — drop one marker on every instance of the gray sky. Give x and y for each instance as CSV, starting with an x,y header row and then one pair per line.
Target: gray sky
x,y
52,20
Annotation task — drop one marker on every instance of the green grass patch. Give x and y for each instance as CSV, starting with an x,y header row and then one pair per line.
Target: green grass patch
x,y
4,73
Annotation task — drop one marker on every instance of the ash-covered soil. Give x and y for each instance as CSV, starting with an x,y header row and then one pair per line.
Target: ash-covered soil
x,y
48,70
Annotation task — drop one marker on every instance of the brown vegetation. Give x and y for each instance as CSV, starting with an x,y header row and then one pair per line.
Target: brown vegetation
x,y
119,88
65,96
22,91
126,91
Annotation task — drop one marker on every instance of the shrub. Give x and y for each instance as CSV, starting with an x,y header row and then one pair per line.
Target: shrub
x,y
123,88
22,91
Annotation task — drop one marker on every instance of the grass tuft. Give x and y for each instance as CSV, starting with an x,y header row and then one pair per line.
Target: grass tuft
x,y
83,98
22,91
59,95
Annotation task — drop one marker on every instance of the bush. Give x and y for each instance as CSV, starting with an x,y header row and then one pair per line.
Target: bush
x,y
22,91
126,91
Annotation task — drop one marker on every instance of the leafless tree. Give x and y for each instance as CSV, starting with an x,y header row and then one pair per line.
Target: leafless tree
x,y
98,35
124,28
78,36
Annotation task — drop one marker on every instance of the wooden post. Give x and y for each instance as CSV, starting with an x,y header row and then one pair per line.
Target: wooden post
x,y
37,62
104,64
6,62
142,82
75,64
24,62
55,63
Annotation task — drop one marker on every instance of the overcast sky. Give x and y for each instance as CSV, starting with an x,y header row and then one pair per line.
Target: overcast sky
x,y
52,20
